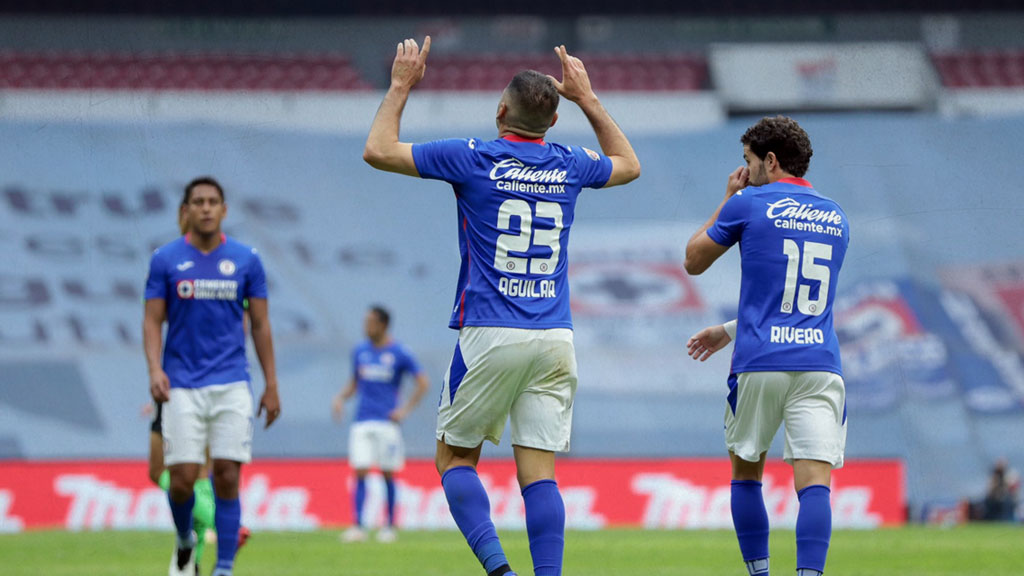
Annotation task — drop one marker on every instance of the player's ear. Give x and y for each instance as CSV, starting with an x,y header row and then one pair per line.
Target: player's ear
x,y
770,159
553,120
502,110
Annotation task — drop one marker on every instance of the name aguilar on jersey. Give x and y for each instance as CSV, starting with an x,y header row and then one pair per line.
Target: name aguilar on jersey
x,y
511,175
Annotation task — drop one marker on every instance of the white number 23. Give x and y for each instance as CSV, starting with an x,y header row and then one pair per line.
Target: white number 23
x,y
521,242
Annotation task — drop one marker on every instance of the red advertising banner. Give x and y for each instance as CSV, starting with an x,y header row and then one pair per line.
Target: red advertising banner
x,y
311,494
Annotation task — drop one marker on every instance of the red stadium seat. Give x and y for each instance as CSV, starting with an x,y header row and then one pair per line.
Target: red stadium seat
x,y
491,72
101,71
982,69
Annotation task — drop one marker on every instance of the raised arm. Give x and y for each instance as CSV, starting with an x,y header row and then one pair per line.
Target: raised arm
x,y
383,150
152,344
701,250
575,86
264,344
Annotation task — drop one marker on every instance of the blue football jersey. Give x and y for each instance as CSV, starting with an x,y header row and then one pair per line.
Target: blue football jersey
x,y
378,373
205,341
516,200
792,244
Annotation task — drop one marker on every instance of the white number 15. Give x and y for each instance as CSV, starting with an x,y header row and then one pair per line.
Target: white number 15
x,y
811,271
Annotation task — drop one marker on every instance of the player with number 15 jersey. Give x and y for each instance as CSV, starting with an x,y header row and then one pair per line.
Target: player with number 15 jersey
x,y
794,244
786,367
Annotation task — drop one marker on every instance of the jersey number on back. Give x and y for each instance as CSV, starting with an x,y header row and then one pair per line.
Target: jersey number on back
x,y
521,242
811,271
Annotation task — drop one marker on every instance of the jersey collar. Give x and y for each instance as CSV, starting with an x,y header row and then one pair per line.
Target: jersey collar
x,y
518,138
797,181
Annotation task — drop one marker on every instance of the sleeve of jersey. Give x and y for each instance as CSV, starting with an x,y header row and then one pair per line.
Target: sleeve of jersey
x,y
156,281
731,220
256,286
595,168
449,160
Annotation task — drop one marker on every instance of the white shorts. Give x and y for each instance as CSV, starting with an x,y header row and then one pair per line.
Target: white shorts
x,y
220,415
812,405
498,373
376,443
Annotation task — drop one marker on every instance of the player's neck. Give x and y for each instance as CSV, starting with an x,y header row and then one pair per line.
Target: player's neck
x,y
381,342
518,135
205,243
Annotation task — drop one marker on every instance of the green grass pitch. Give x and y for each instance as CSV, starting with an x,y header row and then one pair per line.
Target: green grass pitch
x,y
970,550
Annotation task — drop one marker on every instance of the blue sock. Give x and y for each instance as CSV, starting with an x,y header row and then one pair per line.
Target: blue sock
x,y
813,527
227,516
182,514
360,499
390,483
471,510
545,526
750,517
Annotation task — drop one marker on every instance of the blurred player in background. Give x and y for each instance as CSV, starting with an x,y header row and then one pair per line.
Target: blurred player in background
x,y
516,198
202,512
785,366
197,284
378,366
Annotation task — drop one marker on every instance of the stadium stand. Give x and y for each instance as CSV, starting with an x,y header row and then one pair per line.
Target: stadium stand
x,y
625,72
981,69
119,71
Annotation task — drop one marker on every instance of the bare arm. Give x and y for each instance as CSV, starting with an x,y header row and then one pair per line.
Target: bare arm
x,y
383,149
710,340
422,384
575,86
338,404
701,250
264,343
152,344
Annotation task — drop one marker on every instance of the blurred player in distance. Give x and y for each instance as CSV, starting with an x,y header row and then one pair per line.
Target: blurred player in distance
x,y
516,198
785,366
202,512
198,284
379,365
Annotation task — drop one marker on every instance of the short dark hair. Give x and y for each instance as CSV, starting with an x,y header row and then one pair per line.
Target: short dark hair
x,y
783,136
382,314
532,101
207,180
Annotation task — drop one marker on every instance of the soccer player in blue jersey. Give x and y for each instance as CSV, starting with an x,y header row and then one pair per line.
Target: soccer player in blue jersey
x,y
785,366
516,198
197,284
378,366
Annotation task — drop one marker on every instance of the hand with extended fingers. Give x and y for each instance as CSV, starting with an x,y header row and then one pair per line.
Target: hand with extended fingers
x,y
575,84
410,63
706,342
